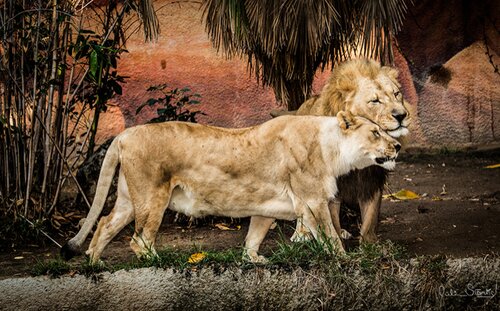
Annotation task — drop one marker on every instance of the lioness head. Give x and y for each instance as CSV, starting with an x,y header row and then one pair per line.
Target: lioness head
x,y
367,89
368,141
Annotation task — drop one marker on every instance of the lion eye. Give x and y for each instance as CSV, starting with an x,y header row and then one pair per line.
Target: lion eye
x,y
376,134
375,101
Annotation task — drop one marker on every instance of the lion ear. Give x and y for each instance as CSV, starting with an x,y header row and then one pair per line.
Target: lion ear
x,y
346,120
391,72
347,87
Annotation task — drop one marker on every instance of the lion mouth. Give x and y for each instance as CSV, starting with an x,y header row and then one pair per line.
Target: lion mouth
x,y
400,127
382,160
401,130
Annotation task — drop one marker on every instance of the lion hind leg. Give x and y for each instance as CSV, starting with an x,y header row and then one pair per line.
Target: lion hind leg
x,y
257,231
109,226
148,221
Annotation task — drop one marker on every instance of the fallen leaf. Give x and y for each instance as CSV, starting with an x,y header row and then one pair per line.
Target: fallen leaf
x,y
493,166
223,226
197,257
388,220
403,194
19,257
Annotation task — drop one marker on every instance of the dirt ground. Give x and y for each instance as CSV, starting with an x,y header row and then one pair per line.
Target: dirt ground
x,y
457,215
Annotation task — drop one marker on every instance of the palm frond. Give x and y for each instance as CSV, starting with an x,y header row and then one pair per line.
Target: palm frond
x,y
285,41
149,19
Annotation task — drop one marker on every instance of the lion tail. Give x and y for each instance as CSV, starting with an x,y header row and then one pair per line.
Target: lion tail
x,y
73,246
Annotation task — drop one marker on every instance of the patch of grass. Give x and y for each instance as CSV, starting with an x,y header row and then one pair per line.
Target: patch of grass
x,y
432,269
90,269
54,268
226,257
171,258
304,254
372,257
367,258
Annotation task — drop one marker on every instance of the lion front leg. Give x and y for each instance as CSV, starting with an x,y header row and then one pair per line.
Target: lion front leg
x,y
317,218
302,233
259,226
369,218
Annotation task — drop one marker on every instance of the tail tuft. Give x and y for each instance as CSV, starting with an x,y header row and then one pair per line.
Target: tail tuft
x,y
69,251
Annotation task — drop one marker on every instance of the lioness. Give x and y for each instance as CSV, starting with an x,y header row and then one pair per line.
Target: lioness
x,y
364,88
285,168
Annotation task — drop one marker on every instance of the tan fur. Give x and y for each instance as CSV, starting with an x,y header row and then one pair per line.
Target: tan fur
x,y
285,168
352,87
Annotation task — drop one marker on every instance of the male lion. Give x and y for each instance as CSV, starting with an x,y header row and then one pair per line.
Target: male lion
x,y
285,168
367,89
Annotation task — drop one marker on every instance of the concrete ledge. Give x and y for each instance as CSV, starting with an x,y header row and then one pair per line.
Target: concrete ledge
x,y
462,283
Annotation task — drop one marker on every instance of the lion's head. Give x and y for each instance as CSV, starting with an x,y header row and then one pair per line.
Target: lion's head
x,y
368,142
364,88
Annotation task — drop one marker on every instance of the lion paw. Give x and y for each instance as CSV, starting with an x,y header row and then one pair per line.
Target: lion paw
x,y
369,238
300,237
259,260
254,258
346,235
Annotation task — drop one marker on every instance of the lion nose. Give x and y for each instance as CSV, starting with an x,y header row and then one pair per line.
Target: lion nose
x,y
399,116
398,147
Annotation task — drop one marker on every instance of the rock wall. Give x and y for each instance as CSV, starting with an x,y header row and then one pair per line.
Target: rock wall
x,y
446,58
184,57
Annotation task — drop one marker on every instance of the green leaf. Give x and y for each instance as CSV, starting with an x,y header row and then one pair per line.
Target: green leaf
x,y
93,63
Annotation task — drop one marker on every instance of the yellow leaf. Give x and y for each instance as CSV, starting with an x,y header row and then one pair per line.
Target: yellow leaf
x,y
403,194
223,226
197,257
493,166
